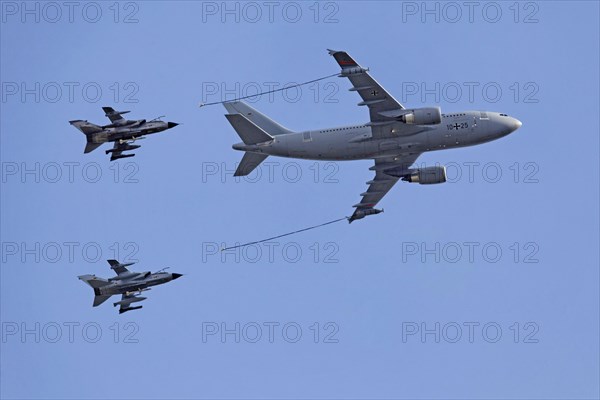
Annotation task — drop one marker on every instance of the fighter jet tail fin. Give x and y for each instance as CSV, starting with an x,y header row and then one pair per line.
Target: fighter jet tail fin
x,y
91,146
94,281
261,120
89,130
249,162
248,131
86,127
99,299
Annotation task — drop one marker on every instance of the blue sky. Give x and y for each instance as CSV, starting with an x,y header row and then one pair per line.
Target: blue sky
x,y
484,287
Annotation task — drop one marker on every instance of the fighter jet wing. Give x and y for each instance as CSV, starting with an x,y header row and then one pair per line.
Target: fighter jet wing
x,y
126,300
113,115
117,151
382,183
383,107
118,267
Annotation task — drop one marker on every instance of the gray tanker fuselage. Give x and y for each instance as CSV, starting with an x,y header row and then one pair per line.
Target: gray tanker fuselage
x,y
355,142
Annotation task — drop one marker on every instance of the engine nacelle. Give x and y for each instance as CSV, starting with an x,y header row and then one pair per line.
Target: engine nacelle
x,y
423,116
426,176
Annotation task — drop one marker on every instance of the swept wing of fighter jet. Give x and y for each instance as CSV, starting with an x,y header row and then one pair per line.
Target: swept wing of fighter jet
x,y
121,131
128,284
394,137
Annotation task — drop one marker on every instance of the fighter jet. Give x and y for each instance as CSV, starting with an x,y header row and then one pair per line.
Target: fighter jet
x,y
394,137
128,284
122,131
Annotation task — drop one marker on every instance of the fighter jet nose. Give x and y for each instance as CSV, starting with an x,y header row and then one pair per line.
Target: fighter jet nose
x,y
172,124
175,276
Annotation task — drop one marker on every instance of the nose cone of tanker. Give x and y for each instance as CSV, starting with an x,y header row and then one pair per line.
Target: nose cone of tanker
x,y
516,124
508,125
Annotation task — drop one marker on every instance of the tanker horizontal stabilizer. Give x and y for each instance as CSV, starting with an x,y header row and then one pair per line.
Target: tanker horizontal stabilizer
x,y
249,162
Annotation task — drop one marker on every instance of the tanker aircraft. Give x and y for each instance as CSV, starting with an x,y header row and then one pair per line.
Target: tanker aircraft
x,y
394,137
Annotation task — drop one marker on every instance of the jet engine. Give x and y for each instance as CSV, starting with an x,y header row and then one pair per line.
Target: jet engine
x,y
423,116
426,176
